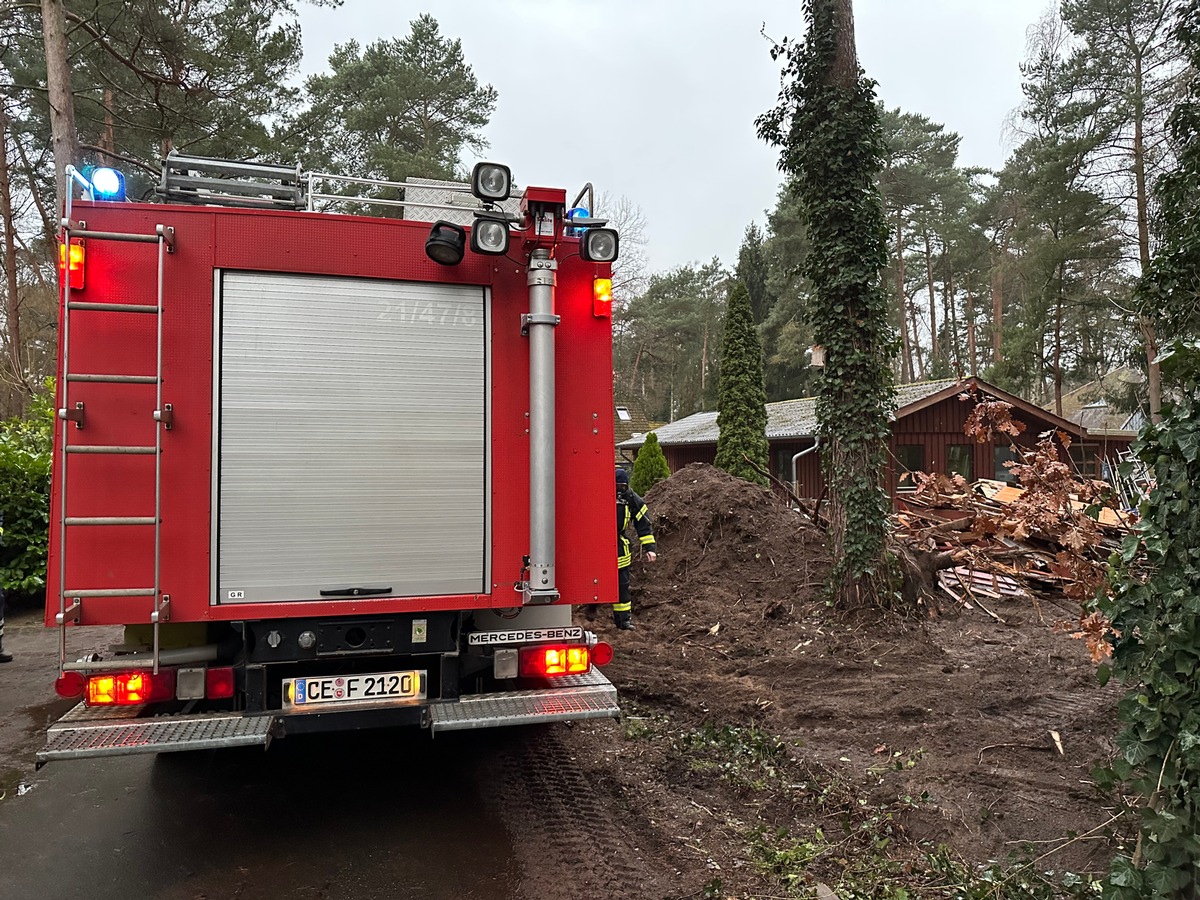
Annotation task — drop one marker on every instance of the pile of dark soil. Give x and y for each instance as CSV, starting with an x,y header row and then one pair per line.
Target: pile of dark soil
x,y
979,735
730,553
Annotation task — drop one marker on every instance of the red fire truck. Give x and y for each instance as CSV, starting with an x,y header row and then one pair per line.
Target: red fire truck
x,y
330,470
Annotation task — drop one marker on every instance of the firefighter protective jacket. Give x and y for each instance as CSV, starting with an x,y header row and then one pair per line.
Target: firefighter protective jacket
x,y
631,506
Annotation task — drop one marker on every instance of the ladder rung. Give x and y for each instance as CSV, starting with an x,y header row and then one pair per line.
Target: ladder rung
x,y
115,379
109,592
115,307
110,520
98,448
115,236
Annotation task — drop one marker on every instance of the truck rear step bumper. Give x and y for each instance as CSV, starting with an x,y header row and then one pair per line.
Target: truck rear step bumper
x,y
76,737
590,696
85,732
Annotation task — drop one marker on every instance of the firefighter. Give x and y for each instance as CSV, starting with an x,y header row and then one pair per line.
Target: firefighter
x,y
630,508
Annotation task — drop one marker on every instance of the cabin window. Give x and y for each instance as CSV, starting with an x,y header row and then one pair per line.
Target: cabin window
x,y
1083,457
960,461
909,458
1002,455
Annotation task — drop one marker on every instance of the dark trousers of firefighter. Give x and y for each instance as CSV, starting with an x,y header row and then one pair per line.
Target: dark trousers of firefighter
x,y
624,604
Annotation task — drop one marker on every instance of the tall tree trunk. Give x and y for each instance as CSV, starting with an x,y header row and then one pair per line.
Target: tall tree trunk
x,y
950,312
998,266
1059,304
972,352
64,139
906,364
12,306
108,140
1149,335
845,61
912,314
934,354
637,361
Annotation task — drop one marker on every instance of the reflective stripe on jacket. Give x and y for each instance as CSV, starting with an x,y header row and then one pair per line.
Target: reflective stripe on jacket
x,y
632,507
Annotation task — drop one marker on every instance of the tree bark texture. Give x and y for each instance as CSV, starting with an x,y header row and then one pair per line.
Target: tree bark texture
x,y
906,364
933,320
12,306
845,63
64,139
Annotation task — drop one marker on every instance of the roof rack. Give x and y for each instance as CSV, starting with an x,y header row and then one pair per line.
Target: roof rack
x,y
225,182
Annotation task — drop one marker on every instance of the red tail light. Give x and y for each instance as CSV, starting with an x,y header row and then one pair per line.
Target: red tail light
x,y
70,685
130,688
552,660
602,654
218,683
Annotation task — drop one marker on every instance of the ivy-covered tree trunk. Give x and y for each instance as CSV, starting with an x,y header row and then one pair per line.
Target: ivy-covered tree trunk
x,y
741,396
827,126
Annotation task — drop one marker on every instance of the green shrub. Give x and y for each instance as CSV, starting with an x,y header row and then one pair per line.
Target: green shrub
x,y
650,467
26,448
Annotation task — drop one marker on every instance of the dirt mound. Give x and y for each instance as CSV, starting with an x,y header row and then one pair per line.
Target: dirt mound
x,y
984,730
729,552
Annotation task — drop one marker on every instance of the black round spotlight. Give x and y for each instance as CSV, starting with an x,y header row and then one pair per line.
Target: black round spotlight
x,y
446,243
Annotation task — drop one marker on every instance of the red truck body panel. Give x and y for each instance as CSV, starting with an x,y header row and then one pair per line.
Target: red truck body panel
x,y
208,239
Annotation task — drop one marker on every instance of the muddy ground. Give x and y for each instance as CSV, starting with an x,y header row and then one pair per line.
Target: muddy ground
x,y
769,744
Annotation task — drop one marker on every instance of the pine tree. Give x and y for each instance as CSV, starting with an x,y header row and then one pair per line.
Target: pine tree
x,y
1169,291
650,467
741,396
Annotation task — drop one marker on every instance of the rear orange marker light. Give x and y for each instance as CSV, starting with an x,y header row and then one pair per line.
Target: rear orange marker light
x,y
70,264
602,298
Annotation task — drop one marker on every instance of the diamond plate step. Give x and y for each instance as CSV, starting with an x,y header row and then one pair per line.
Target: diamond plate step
x,y
74,737
590,696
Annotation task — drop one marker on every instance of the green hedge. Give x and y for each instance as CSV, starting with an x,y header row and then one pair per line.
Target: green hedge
x,y
26,448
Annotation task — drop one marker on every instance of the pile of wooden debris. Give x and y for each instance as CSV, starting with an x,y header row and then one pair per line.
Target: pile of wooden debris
x,y
993,541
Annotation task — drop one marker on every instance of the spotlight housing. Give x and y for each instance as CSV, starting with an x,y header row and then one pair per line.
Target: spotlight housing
x,y
600,245
491,182
446,243
489,235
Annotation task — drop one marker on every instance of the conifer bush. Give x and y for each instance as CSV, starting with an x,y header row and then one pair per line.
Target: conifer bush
x,y
741,394
650,467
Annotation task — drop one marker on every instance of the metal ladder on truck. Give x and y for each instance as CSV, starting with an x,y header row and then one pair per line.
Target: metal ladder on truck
x,y
71,598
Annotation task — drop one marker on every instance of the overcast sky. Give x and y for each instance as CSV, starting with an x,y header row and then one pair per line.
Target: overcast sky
x,y
656,99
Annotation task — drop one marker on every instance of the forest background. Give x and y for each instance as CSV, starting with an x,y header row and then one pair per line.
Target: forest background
x,y
1022,276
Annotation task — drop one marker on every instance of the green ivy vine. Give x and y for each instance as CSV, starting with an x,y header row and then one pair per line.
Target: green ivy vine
x,y
827,127
1156,652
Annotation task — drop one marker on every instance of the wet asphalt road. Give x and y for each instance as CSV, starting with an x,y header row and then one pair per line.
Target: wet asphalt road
x,y
380,814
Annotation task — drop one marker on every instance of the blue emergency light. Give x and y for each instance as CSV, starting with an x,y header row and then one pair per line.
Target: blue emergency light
x,y
107,184
577,212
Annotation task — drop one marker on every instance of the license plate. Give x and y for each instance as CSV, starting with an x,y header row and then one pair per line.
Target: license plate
x,y
375,689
